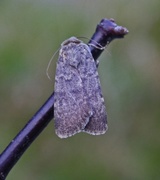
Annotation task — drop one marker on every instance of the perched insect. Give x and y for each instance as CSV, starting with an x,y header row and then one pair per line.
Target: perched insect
x,y
79,104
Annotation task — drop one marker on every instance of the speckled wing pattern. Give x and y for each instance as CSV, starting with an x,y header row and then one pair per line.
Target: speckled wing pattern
x,y
79,104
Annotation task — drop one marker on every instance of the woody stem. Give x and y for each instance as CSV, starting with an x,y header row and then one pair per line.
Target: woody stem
x,y
106,31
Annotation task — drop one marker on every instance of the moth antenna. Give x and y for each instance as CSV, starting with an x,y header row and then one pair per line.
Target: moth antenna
x,y
99,46
48,66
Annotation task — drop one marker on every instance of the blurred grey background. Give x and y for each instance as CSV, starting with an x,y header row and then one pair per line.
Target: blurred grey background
x,y
30,32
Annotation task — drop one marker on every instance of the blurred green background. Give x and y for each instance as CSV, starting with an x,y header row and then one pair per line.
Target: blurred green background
x,y
30,32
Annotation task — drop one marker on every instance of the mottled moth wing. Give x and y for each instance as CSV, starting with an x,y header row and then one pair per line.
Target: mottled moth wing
x,y
79,104
88,71
71,108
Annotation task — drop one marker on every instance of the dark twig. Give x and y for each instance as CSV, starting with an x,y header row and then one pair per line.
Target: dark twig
x,y
106,31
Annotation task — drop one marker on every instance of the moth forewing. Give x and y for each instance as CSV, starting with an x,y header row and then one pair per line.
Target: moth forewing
x,y
79,104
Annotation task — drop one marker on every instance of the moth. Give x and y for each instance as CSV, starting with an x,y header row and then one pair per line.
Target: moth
x,y
79,103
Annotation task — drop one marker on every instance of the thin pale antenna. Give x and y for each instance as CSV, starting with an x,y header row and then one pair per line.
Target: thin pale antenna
x,y
50,61
99,46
